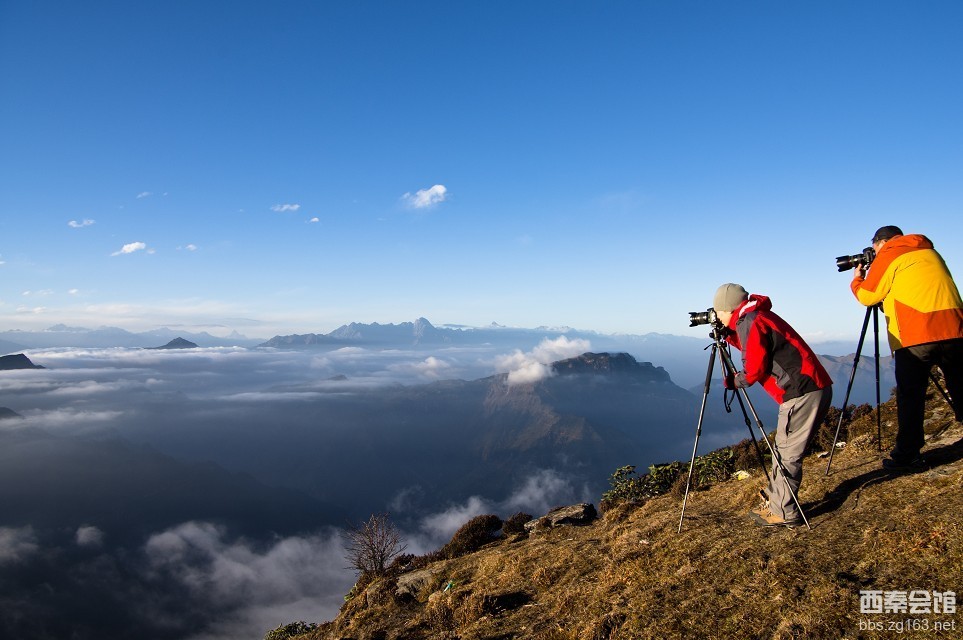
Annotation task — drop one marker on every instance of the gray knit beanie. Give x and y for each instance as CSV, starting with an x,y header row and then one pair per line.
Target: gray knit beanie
x,y
728,297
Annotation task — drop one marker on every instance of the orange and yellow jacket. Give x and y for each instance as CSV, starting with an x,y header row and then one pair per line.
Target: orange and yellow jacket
x,y
920,300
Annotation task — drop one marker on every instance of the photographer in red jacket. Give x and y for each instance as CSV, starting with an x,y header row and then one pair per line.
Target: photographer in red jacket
x,y
777,357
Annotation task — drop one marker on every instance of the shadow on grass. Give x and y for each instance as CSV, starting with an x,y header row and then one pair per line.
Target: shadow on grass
x,y
835,499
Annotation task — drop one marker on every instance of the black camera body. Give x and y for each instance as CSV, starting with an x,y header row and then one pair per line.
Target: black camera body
x,y
708,316
864,259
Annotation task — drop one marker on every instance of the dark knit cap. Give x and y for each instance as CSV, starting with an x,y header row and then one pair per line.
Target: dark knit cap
x,y
887,232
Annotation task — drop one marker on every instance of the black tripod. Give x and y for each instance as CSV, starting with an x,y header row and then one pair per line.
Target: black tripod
x,y
874,310
719,345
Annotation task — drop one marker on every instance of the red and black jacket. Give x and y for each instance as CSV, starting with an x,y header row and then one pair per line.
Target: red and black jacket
x,y
773,353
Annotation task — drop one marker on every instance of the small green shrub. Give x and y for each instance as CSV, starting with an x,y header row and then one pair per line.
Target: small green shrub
x,y
290,630
627,486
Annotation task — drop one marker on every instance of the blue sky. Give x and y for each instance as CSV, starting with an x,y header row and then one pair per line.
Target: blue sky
x,y
287,167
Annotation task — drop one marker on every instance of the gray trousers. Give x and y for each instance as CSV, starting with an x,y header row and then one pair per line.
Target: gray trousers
x,y
798,420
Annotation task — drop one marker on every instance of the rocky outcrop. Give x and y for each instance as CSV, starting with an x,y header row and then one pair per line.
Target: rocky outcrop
x,y
17,361
411,584
610,363
576,515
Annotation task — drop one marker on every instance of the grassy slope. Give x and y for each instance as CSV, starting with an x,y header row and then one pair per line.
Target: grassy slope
x,y
631,575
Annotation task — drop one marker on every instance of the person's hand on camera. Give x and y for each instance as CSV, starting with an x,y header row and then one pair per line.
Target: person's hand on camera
x,y
859,272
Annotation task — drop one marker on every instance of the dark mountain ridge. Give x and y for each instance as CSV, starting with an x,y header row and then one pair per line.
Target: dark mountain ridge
x,y
177,343
608,363
17,361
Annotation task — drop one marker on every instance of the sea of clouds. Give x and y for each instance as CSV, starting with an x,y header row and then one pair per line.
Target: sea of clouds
x,y
196,570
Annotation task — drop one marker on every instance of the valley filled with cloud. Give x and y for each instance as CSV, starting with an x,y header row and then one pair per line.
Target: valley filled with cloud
x,y
202,491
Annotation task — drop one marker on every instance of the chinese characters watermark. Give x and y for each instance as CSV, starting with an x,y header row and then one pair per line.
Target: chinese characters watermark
x,y
914,602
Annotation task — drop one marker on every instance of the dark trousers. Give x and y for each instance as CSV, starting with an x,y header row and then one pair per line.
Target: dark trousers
x,y
913,365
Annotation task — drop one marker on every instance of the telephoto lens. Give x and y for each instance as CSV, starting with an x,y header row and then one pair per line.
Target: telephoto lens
x,y
708,316
845,263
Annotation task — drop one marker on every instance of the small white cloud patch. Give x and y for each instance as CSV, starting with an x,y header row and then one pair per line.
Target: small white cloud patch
x,y
425,198
132,247
536,364
89,536
17,544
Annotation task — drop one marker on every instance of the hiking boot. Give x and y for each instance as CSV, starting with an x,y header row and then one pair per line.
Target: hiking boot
x,y
769,519
760,511
899,464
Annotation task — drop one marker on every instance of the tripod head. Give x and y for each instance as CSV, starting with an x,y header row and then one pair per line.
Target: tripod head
x,y
719,332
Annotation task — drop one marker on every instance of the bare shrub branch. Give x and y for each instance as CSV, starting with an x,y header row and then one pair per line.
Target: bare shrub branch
x,y
372,545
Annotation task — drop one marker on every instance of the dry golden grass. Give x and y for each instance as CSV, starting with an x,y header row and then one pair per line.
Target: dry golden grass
x,y
632,576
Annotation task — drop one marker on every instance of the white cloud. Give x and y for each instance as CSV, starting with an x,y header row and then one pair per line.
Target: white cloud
x,y
535,365
440,527
529,372
89,536
539,493
32,310
189,247
132,247
315,219
281,208
425,198
17,544
86,388
80,225
71,420
300,577
431,367
144,194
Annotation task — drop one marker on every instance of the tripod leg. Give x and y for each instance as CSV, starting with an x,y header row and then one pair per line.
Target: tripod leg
x,y
879,419
849,387
943,392
752,435
695,445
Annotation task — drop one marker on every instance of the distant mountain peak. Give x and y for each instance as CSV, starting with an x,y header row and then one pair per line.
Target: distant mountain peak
x,y
609,363
416,332
64,328
17,361
177,343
